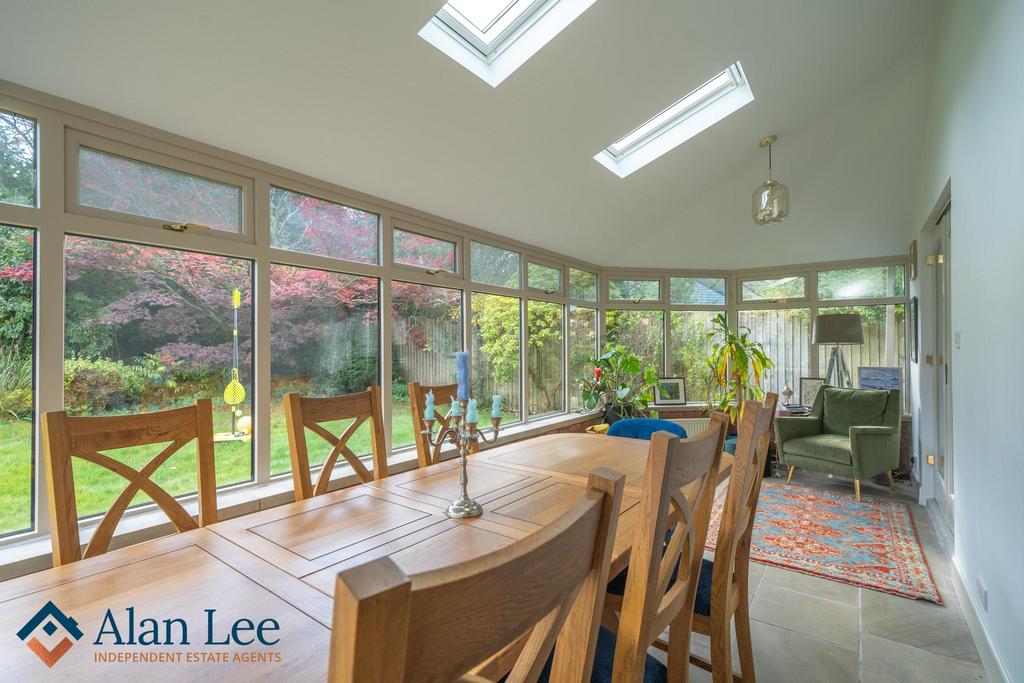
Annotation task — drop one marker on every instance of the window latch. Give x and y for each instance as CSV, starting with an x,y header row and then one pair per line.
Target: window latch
x,y
183,227
433,271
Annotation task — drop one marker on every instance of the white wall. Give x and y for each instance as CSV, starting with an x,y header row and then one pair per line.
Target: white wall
x,y
976,141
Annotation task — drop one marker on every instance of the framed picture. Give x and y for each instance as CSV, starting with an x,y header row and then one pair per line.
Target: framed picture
x,y
670,391
912,265
914,330
879,378
809,388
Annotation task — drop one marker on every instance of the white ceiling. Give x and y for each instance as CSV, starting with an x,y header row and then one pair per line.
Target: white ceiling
x,y
347,92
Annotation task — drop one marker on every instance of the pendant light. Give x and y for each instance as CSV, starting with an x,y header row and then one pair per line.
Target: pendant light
x,y
771,198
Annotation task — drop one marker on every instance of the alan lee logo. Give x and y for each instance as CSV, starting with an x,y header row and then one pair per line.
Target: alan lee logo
x,y
149,631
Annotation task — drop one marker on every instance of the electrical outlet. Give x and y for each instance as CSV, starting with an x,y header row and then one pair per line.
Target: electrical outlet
x,y
982,593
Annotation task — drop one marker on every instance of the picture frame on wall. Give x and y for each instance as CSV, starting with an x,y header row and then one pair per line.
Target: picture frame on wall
x,y
809,388
885,378
914,329
670,391
912,264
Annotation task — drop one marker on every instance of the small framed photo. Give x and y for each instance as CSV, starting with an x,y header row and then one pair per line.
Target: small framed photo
x,y
912,269
809,388
879,378
670,391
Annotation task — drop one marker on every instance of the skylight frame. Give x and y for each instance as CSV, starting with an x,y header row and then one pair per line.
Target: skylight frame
x,y
488,42
698,110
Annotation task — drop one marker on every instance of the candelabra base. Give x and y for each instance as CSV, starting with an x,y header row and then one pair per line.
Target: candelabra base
x,y
463,508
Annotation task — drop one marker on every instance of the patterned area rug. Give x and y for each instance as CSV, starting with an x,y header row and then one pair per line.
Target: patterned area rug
x,y
872,544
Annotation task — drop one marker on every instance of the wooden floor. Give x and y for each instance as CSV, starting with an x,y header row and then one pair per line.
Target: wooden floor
x,y
811,629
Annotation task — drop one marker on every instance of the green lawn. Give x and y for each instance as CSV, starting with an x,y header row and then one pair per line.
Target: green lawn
x,y
97,487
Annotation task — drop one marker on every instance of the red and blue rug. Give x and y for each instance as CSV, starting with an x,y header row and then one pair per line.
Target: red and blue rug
x,y
872,544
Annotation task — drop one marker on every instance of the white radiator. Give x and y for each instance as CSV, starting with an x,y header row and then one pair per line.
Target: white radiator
x,y
693,425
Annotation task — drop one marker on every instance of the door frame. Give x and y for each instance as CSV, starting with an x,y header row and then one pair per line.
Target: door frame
x,y
944,470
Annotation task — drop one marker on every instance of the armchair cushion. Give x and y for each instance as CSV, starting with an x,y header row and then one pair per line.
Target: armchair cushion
x,y
845,408
829,447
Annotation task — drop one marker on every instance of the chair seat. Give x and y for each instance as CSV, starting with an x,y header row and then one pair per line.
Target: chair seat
x,y
702,603
730,445
604,661
644,427
830,447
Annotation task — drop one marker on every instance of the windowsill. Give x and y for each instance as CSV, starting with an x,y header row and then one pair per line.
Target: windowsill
x,y
34,553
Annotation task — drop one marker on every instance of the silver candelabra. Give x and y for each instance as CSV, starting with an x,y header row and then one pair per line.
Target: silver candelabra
x,y
461,433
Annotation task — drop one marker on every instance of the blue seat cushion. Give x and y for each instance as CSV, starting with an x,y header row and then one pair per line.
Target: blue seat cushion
x,y
702,604
644,427
730,445
604,660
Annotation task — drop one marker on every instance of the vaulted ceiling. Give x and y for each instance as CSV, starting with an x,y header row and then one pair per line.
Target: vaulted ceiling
x,y
347,92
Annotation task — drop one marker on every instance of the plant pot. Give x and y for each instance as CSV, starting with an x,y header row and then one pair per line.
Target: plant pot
x,y
614,413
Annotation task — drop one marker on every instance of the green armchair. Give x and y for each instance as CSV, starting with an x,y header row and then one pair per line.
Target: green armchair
x,y
849,432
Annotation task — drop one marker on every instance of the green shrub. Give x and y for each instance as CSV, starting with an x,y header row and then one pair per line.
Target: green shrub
x,y
92,385
15,385
356,375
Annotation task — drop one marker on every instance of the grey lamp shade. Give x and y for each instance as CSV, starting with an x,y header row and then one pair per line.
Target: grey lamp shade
x,y
837,328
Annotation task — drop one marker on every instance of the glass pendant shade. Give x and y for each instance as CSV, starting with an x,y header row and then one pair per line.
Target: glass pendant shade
x,y
771,202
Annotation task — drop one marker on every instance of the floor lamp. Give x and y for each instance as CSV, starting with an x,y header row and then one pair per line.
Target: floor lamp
x,y
837,329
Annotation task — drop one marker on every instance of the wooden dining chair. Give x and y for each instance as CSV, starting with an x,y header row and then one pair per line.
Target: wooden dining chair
x,y
66,437
306,412
441,624
723,589
425,452
660,584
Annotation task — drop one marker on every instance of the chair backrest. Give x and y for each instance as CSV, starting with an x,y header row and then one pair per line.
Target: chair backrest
x,y
302,412
652,600
66,437
425,452
737,521
845,408
439,625
644,428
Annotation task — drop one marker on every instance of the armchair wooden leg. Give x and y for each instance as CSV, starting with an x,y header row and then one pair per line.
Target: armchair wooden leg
x,y
856,489
892,483
792,468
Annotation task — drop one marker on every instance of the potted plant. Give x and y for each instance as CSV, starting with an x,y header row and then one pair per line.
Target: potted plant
x,y
737,364
621,384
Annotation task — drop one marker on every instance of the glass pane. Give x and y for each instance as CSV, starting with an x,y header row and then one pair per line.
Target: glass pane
x,y
17,159
769,290
861,283
114,183
582,285
641,332
495,266
149,328
708,291
545,358
311,225
427,331
324,341
786,337
582,347
688,351
413,249
17,386
543,277
496,351
884,344
634,290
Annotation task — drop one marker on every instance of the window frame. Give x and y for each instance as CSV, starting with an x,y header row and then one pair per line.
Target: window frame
x,y
433,233
537,292
591,303
609,277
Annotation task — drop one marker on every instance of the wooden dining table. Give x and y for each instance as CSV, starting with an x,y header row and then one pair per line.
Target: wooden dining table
x,y
280,564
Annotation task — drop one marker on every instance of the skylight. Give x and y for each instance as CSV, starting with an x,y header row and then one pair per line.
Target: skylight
x,y
493,38
695,112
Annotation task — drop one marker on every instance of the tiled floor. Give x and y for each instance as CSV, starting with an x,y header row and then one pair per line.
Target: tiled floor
x,y
810,629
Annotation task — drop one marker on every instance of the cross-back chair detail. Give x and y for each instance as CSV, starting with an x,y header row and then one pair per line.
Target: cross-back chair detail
x,y
439,625
662,577
66,437
305,412
425,452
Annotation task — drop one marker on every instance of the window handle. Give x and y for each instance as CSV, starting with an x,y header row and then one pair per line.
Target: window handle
x,y
433,271
183,227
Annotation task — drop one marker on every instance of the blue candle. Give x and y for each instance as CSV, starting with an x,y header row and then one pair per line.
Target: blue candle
x,y
471,415
456,408
428,411
462,374
496,405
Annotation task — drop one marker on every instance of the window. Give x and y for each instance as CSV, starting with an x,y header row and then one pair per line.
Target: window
x,y
17,372
786,337
702,291
116,183
543,277
422,251
426,332
17,159
496,351
776,289
688,116
493,38
582,347
545,359
642,332
688,351
634,290
582,285
861,283
299,222
884,344
324,342
148,328
495,266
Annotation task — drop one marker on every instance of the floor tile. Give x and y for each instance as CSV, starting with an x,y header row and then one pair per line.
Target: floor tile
x,y
823,619
887,662
782,656
812,585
